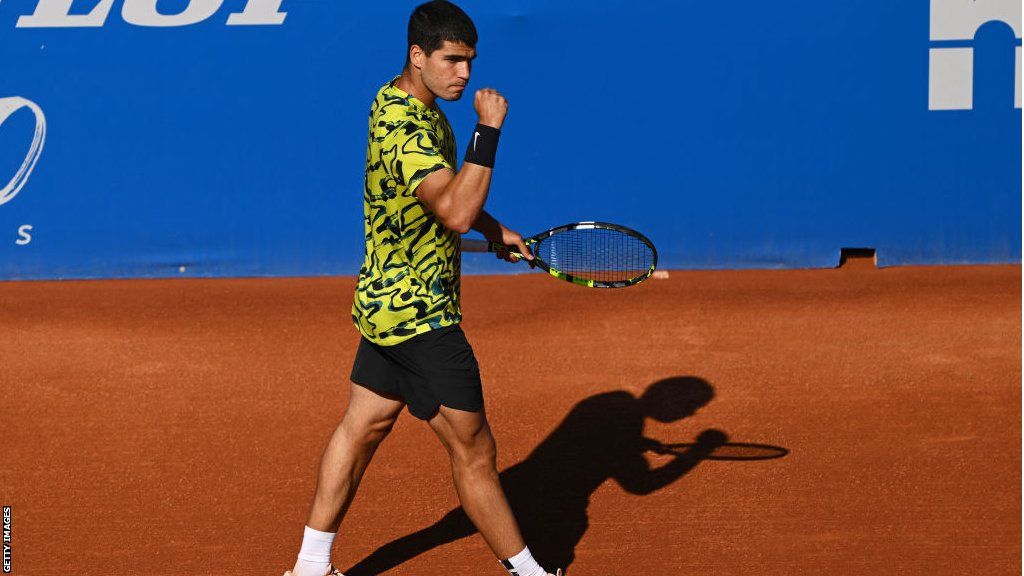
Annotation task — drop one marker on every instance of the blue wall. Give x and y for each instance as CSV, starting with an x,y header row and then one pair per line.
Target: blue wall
x,y
742,134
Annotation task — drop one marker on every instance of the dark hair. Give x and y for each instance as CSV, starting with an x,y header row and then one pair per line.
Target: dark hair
x,y
436,21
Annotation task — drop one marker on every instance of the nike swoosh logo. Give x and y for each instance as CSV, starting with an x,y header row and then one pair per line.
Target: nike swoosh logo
x,y
475,136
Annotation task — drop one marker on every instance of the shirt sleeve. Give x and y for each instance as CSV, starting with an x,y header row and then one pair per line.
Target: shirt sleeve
x,y
417,154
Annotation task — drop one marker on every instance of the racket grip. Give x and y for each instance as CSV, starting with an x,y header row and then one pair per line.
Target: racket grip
x,y
472,245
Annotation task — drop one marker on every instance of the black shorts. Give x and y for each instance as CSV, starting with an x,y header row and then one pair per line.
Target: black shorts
x,y
428,370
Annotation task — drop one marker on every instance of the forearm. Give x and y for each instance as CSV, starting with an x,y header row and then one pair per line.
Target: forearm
x,y
457,199
488,226
498,233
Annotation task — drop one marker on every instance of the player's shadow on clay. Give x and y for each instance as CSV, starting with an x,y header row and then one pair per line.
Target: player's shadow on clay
x,y
600,439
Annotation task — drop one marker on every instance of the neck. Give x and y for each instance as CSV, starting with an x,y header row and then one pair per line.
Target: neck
x,y
411,83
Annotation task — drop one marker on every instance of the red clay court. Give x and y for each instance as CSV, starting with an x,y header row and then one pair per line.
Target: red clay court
x,y
172,427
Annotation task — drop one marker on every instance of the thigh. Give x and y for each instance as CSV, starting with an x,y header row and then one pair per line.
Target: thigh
x,y
368,408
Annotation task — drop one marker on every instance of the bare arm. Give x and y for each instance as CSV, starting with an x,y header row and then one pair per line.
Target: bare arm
x,y
488,226
497,232
457,199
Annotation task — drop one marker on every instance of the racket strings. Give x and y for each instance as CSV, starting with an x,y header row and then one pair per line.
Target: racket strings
x,y
599,254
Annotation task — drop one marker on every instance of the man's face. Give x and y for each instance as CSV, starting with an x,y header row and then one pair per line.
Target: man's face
x,y
446,70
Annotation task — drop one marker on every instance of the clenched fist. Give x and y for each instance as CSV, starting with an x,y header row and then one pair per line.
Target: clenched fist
x,y
491,107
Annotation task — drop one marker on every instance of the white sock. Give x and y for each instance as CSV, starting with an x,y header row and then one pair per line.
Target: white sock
x,y
523,564
315,554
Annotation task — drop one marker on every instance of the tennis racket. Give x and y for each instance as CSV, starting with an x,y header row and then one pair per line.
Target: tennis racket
x,y
592,254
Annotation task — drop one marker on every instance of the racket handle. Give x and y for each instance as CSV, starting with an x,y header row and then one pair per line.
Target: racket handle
x,y
471,245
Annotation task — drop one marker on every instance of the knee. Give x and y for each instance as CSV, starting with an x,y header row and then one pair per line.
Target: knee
x,y
479,454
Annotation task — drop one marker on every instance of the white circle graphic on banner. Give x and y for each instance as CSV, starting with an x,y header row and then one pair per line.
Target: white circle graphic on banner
x,y
9,106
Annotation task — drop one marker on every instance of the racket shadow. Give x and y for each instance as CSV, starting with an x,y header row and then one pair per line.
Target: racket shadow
x,y
599,439
733,451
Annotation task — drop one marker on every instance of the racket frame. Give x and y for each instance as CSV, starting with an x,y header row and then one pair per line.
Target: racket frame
x,y
487,246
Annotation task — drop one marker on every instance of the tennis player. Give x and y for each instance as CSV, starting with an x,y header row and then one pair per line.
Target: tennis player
x,y
413,352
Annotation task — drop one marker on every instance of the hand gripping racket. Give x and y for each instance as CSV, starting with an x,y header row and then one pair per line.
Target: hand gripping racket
x,y
592,254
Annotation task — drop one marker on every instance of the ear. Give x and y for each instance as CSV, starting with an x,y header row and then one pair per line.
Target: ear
x,y
417,56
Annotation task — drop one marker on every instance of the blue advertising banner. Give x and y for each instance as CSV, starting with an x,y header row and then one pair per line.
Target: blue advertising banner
x,y
158,138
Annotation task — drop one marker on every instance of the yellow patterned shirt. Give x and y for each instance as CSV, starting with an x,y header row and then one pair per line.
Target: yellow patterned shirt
x,y
409,281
